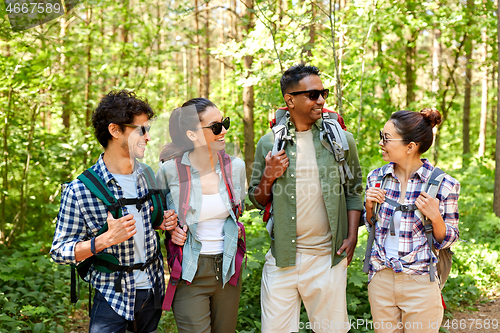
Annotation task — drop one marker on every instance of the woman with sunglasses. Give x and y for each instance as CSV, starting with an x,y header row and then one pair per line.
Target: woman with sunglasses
x,y
203,300
400,291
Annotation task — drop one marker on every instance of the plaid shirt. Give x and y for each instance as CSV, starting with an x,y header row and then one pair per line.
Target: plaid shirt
x,y
80,217
413,247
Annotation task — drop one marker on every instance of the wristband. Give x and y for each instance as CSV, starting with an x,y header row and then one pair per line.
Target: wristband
x,y
92,246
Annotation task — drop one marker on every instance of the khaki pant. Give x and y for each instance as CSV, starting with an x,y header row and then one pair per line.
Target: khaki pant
x,y
403,302
204,306
321,287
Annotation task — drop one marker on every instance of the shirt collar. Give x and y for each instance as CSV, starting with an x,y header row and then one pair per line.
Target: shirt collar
x,y
185,160
423,172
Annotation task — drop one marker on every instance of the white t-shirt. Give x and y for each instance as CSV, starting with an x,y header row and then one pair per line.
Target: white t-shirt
x,y
392,242
213,214
129,188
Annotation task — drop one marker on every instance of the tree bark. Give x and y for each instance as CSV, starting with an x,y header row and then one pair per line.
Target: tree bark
x,y
197,45
248,98
206,69
467,100
496,195
484,96
436,61
65,98
410,71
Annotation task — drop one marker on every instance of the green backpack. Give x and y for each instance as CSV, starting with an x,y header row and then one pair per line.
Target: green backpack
x,y
106,262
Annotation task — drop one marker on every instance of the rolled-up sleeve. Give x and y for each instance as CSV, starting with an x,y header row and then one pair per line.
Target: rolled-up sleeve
x,y
449,210
70,228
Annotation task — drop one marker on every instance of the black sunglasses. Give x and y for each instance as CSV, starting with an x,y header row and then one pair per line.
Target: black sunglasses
x,y
313,94
144,129
217,127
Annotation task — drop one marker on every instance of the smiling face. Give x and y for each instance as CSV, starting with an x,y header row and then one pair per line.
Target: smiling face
x,y
205,136
133,139
303,110
395,149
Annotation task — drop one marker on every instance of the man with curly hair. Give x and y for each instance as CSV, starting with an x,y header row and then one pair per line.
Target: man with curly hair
x,y
129,299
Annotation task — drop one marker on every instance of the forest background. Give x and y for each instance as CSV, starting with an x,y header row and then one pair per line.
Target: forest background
x,y
376,57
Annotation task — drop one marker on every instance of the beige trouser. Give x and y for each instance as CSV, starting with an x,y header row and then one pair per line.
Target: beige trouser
x,y
403,302
321,287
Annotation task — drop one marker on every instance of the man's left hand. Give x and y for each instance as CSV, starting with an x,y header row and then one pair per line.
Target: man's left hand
x,y
348,245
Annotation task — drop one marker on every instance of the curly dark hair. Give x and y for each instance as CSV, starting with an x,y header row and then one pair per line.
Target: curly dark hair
x,y
117,107
294,74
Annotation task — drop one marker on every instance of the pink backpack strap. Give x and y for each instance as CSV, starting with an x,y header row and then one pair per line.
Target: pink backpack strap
x,y
227,171
174,252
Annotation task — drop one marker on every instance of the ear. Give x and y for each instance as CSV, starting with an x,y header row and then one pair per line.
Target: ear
x,y
289,101
191,135
114,130
412,147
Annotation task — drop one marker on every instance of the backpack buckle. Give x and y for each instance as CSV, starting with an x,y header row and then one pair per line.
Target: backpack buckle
x,y
428,228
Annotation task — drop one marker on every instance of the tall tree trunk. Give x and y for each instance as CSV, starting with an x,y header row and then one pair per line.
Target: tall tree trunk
x,y
386,97
198,49
65,95
248,97
222,66
496,195
410,71
436,61
484,96
88,83
307,48
467,93
342,33
125,35
206,69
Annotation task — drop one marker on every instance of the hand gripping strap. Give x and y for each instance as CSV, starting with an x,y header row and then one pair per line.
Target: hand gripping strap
x,y
381,180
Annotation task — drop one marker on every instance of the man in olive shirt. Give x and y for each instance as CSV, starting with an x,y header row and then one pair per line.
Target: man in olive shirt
x,y
315,216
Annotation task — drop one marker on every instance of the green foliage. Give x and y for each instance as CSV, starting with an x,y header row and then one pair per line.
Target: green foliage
x,y
34,291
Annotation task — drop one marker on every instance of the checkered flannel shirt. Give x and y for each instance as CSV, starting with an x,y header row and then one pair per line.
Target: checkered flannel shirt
x,y
413,247
80,217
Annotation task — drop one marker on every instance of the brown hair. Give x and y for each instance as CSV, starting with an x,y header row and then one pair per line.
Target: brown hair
x,y
181,121
417,126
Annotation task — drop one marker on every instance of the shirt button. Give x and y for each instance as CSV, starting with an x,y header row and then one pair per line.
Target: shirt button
x,y
292,197
293,240
293,217
293,175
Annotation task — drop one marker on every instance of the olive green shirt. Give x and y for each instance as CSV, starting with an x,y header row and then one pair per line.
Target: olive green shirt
x,y
338,198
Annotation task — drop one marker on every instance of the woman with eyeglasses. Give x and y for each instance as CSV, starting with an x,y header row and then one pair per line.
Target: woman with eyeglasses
x,y
402,296
204,301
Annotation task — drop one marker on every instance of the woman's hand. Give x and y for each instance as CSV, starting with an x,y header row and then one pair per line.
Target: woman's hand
x,y
239,232
373,195
179,235
429,206
169,220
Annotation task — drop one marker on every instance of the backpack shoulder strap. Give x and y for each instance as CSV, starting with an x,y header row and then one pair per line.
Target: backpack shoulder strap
x,y
97,187
184,174
227,171
333,138
431,186
157,215
380,183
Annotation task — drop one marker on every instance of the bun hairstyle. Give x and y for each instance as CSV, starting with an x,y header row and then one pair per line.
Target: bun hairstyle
x,y
417,126
182,120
